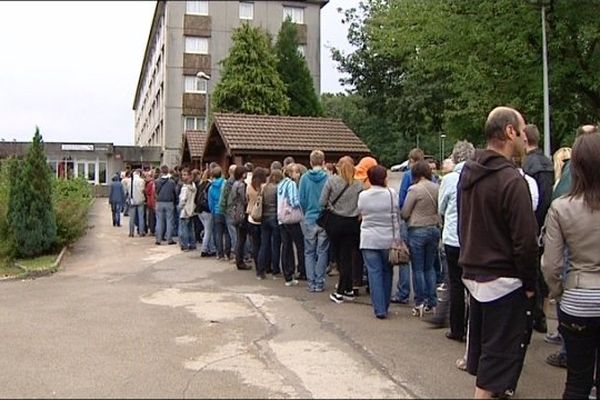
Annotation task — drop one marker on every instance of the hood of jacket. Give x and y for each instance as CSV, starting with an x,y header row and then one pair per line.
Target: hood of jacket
x,y
484,164
459,167
316,175
116,178
218,183
536,162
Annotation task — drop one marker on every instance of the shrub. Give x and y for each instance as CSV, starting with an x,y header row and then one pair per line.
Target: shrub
x,y
71,200
7,244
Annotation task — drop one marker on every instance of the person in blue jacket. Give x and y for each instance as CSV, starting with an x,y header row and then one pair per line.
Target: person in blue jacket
x,y
116,199
220,228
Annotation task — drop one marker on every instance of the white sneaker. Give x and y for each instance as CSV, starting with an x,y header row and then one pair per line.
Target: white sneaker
x,y
293,282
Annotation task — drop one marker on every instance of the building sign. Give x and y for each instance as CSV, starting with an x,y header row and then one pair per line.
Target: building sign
x,y
77,147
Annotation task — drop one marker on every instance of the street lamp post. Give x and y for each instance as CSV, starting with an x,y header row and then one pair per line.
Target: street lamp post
x,y
547,136
443,137
205,77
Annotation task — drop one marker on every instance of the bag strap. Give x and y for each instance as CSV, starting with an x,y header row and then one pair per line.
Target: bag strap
x,y
340,195
431,197
392,215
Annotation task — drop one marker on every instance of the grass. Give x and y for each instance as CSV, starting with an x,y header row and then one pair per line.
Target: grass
x,y
31,267
8,269
38,263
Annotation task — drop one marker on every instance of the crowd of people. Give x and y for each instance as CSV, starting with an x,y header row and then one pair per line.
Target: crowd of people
x,y
492,239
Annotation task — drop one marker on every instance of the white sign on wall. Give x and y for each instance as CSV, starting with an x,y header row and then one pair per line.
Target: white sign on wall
x,y
77,147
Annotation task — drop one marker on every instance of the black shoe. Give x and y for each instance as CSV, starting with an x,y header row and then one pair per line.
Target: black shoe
x,y
450,336
171,242
557,360
204,254
243,267
157,243
396,300
302,277
540,325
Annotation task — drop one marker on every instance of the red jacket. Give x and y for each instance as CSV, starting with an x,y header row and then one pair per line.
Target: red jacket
x,y
150,194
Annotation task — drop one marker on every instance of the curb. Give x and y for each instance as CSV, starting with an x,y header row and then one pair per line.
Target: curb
x,y
38,273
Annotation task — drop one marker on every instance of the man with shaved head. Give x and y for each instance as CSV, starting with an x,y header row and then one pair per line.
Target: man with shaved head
x,y
498,250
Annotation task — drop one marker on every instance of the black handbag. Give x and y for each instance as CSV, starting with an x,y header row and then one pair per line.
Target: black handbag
x,y
326,214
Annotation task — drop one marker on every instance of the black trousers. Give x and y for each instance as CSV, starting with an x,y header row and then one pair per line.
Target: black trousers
x,y
344,234
242,232
291,234
254,232
541,291
458,320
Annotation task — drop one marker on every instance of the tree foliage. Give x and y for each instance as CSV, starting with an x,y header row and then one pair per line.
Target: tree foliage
x,y
30,212
250,83
295,74
432,66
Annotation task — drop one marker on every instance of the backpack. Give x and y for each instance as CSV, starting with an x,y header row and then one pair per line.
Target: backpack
x,y
201,199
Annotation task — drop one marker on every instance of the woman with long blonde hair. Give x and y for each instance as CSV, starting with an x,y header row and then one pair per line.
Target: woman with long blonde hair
x,y
560,157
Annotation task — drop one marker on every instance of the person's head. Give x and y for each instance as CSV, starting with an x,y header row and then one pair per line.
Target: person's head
x,y
249,167
239,173
186,176
288,160
276,176
137,172
587,129
505,131
259,176
421,170
216,172
116,177
330,168
532,135
164,170
345,169
377,175
462,151
585,164
560,157
317,158
156,173
128,174
415,155
433,164
447,166
205,175
288,170
196,175
231,170
213,165
276,165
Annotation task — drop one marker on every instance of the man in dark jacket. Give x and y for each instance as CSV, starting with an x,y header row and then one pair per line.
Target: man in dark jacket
x,y
166,198
116,199
498,238
540,168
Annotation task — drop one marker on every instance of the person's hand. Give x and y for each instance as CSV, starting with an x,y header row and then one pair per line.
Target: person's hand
x,y
529,294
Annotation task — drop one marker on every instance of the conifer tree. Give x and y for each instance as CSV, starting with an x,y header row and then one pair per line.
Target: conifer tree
x,y
295,74
250,83
31,216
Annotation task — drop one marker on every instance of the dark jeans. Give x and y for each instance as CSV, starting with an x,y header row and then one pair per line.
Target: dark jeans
x,y
116,213
541,291
292,234
582,338
458,320
187,239
240,245
221,236
270,246
344,234
198,228
254,232
150,220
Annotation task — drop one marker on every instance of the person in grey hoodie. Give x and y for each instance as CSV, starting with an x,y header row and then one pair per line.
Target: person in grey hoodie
x,y
316,243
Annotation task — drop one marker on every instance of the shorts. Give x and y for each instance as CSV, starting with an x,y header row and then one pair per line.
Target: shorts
x,y
499,333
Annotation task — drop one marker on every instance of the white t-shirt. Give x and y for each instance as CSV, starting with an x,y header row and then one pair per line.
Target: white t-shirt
x,y
533,189
485,292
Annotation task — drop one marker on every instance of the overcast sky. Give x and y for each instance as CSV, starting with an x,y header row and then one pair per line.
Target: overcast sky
x,y
72,67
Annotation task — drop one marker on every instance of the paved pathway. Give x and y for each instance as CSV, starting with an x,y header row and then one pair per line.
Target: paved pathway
x,y
126,318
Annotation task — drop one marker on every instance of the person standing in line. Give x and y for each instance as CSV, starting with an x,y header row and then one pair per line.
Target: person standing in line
x,y
572,225
259,178
237,214
138,198
225,207
498,237
220,235
340,194
165,206
116,199
379,212
208,248
316,243
269,257
150,191
187,239
126,183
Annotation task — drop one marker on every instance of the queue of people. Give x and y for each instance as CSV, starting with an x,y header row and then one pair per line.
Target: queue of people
x,y
494,237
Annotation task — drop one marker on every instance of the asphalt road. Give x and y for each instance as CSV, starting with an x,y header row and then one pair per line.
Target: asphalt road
x,y
126,318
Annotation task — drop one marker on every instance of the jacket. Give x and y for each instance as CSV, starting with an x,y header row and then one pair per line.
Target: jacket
x,y
421,205
224,199
236,200
311,186
496,224
287,189
571,224
150,194
214,194
116,194
563,186
540,168
186,200
404,185
165,190
379,212
447,206
347,204
138,197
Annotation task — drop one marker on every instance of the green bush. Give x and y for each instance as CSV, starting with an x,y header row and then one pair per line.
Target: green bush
x,y
7,243
71,200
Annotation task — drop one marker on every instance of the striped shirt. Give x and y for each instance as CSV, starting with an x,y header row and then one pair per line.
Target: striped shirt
x,y
581,302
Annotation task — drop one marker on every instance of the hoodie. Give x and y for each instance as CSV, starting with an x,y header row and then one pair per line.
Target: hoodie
x,y
447,205
540,168
214,194
311,186
496,224
116,194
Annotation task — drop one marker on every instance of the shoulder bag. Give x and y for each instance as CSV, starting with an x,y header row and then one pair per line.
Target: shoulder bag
x,y
399,253
325,216
257,208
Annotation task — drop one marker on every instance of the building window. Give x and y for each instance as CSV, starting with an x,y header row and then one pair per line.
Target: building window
x,y
194,85
296,14
302,49
102,173
196,7
194,124
196,45
81,169
246,10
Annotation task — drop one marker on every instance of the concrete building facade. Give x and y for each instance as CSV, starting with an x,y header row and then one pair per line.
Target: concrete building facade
x,y
188,37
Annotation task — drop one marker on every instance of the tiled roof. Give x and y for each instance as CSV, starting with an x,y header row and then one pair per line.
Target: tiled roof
x,y
196,141
279,133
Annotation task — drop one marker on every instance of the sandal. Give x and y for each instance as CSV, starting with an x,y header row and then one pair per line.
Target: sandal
x,y
461,364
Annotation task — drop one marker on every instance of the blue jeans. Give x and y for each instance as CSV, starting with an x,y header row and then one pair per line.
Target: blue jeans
x,y
139,212
164,220
208,244
221,235
187,238
116,213
423,243
380,279
232,230
316,254
269,255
